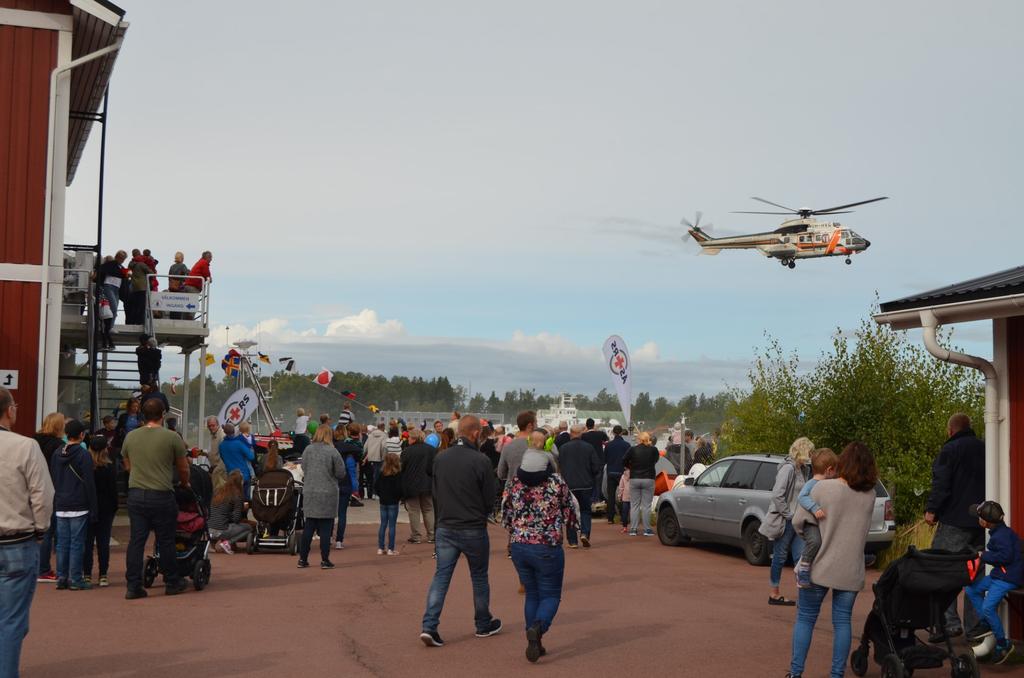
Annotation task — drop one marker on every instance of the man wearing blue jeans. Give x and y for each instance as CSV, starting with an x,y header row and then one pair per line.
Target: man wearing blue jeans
x,y
26,504
464,491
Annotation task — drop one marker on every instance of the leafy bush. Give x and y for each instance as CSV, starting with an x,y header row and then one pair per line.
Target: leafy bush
x,y
877,387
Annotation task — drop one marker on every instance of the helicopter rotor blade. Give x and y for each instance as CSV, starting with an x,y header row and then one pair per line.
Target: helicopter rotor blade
x,y
775,204
843,207
699,215
745,212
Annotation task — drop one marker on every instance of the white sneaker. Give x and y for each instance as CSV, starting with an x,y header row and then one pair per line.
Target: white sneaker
x,y
338,546
380,552
225,546
392,552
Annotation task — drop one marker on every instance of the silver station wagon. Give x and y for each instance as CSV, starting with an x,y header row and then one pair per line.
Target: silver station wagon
x,y
727,502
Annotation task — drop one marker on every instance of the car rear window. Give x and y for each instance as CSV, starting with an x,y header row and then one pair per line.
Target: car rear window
x,y
741,475
765,478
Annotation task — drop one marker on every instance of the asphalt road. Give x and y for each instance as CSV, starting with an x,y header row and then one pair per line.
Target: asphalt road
x,y
630,607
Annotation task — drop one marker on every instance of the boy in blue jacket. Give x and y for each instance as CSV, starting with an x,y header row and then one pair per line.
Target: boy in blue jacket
x,y
74,505
1003,554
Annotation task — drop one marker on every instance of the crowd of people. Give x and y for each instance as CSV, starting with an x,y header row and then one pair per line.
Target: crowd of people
x,y
119,278
455,479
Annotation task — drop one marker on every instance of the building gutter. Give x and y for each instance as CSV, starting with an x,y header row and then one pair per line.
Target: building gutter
x,y
930,324
49,359
958,312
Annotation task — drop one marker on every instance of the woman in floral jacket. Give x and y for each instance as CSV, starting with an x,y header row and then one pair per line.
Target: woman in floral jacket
x,y
537,508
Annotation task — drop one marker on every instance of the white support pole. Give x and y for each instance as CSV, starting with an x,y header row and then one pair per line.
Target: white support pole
x,y
202,392
184,404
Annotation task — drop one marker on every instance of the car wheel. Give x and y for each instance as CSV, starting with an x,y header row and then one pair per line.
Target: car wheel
x,y
756,548
669,531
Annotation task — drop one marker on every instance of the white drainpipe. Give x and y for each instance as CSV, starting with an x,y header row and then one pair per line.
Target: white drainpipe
x,y
49,358
930,324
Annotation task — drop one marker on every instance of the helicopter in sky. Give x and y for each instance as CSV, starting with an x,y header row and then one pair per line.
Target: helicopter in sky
x,y
801,238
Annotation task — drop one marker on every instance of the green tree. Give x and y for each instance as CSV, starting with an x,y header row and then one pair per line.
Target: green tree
x,y
875,387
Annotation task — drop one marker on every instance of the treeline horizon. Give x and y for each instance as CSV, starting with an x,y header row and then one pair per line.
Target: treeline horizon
x,y
290,391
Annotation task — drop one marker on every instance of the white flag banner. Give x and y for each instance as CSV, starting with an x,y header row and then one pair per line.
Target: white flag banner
x,y
617,357
238,407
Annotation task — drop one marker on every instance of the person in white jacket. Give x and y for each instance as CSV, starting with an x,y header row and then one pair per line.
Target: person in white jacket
x,y
375,447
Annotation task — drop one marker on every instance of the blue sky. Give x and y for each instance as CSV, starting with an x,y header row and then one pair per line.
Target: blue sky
x,y
488,175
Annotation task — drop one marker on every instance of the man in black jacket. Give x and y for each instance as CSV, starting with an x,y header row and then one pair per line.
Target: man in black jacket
x,y
614,452
464,491
579,464
417,469
958,480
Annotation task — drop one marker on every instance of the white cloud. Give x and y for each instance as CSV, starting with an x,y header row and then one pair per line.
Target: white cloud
x,y
364,324
649,352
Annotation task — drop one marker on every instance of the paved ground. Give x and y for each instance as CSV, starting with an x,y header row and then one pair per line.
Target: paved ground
x,y
630,607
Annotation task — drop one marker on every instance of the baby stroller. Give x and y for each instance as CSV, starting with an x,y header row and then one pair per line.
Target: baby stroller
x,y
277,508
913,593
192,536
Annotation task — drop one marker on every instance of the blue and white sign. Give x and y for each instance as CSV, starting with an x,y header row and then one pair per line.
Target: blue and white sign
x,y
178,302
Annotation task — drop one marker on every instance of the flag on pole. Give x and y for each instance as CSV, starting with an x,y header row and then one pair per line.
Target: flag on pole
x,y
374,409
323,377
264,358
232,363
174,384
288,364
617,358
349,394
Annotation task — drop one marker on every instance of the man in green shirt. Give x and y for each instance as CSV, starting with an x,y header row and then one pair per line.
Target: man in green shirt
x,y
151,454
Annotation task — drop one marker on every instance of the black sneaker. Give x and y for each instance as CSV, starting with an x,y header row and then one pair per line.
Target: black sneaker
x,y
133,594
1002,652
302,563
175,589
352,501
585,540
431,639
533,643
980,631
492,628
326,565
62,584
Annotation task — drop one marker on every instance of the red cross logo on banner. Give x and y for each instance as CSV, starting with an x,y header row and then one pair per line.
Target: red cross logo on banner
x,y
234,413
620,362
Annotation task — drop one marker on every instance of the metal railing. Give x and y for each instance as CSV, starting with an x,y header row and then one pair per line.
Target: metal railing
x,y
178,304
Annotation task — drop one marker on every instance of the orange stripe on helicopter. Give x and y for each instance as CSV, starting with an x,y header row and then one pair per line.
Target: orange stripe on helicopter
x,y
833,242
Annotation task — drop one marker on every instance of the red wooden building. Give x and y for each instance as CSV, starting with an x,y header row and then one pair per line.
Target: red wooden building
x,y
56,58
998,297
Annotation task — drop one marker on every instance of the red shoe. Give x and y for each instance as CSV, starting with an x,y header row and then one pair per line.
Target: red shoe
x,y
48,577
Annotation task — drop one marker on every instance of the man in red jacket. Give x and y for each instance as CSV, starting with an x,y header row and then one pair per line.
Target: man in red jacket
x,y
200,272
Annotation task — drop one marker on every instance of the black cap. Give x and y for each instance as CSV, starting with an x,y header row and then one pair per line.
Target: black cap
x,y
989,511
74,428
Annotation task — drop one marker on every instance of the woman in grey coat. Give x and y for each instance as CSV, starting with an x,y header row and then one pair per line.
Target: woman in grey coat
x,y
789,480
322,468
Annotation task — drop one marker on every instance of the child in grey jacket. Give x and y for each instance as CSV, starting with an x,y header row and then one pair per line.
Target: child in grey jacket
x,y
823,465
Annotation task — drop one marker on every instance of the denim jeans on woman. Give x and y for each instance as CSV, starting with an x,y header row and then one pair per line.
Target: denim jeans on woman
x,y
641,494
388,524
807,609
541,568
18,570
71,548
789,543
449,544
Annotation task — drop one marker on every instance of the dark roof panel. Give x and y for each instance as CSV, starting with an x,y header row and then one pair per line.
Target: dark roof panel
x,y
992,286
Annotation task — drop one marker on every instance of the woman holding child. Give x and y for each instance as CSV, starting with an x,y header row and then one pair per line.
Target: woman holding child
x,y
845,505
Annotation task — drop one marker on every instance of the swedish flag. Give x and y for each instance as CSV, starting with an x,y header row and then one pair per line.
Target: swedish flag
x,y
232,364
